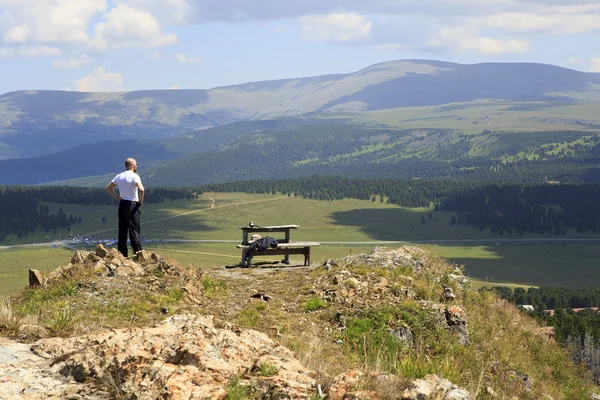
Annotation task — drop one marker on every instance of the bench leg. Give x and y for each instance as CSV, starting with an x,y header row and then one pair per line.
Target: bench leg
x,y
307,256
286,259
243,261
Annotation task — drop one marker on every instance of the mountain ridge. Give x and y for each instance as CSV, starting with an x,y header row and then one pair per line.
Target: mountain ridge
x,y
35,123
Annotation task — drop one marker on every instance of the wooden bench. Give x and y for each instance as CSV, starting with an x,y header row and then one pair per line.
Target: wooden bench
x,y
282,249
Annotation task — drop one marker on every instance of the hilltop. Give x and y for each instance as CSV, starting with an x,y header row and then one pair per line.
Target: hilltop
x,y
35,123
393,324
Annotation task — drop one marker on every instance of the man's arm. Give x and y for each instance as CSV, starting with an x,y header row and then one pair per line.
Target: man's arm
x,y
111,190
140,192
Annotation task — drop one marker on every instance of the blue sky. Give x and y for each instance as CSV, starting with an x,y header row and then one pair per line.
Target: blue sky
x,y
110,45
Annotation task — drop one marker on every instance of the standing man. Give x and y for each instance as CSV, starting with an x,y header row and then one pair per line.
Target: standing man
x,y
131,198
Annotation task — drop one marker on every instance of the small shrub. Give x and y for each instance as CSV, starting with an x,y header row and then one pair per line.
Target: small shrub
x,y
61,320
159,273
351,283
249,318
175,295
236,391
212,285
267,369
314,304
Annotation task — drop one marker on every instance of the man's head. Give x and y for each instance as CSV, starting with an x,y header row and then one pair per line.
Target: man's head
x,y
131,165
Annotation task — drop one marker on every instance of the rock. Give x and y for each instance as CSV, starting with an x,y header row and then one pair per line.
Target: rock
x,y
404,335
101,251
524,379
142,257
406,256
113,253
129,268
433,387
79,258
342,384
36,279
183,357
491,392
456,318
25,376
448,294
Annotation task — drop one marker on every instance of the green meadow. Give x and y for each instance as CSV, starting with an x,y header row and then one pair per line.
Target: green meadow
x,y
343,227
476,116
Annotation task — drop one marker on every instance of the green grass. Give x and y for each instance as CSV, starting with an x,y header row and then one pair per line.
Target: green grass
x,y
14,265
338,221
574,265
497,115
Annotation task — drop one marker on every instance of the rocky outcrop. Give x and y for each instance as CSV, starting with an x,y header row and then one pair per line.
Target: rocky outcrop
x,y
405,256
432,387
453,317
186,357
25,376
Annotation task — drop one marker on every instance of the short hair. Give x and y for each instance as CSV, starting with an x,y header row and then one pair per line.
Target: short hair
x,y
130,162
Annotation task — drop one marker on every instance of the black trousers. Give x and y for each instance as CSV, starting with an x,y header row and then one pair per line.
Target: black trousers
x,y
129,223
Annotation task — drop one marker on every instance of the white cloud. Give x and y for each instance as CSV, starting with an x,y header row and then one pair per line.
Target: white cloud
x,y
48,21
126,26
182,58
175,87
156,55
39,51
595,64
554,23
7,51
80,61
17,34
99,81
340,27
461,39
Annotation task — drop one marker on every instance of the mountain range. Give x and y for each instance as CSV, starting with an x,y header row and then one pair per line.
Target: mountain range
x,y
55,135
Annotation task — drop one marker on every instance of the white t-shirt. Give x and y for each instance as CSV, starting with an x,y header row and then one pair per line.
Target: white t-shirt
x,y
127,182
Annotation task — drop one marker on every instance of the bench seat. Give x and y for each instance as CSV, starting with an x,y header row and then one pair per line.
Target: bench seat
x,y
282,249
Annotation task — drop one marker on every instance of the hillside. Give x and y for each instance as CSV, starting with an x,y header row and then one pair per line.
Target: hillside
x,y
35,123
393,324
354,151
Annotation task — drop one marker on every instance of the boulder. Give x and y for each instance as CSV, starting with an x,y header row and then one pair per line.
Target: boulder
x,y
79,257
432,387
456,318
36,279
101,251
183,357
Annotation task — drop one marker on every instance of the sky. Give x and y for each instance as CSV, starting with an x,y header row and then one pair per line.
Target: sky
x,y
115,45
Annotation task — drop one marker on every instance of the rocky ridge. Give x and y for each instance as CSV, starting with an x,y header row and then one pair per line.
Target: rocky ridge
x,y
180,351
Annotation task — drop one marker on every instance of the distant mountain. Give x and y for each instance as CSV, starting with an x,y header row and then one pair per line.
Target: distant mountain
x,y
108,157
34,123
353,151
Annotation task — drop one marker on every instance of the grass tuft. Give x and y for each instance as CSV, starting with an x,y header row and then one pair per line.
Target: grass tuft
x,y
314,304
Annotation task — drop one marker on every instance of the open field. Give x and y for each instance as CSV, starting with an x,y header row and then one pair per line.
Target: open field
x,y
492,115
345,220
363,222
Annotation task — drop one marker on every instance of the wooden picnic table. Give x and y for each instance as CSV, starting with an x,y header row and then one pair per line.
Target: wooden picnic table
x,y
271,229
285,245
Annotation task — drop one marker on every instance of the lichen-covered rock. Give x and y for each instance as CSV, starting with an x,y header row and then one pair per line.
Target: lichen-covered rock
x,y
405,256
432,387
184,357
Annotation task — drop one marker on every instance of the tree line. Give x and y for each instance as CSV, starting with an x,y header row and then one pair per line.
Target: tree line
x,y
24,209
577,331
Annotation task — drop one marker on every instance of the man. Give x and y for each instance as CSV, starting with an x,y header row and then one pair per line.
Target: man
x,y
131,198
